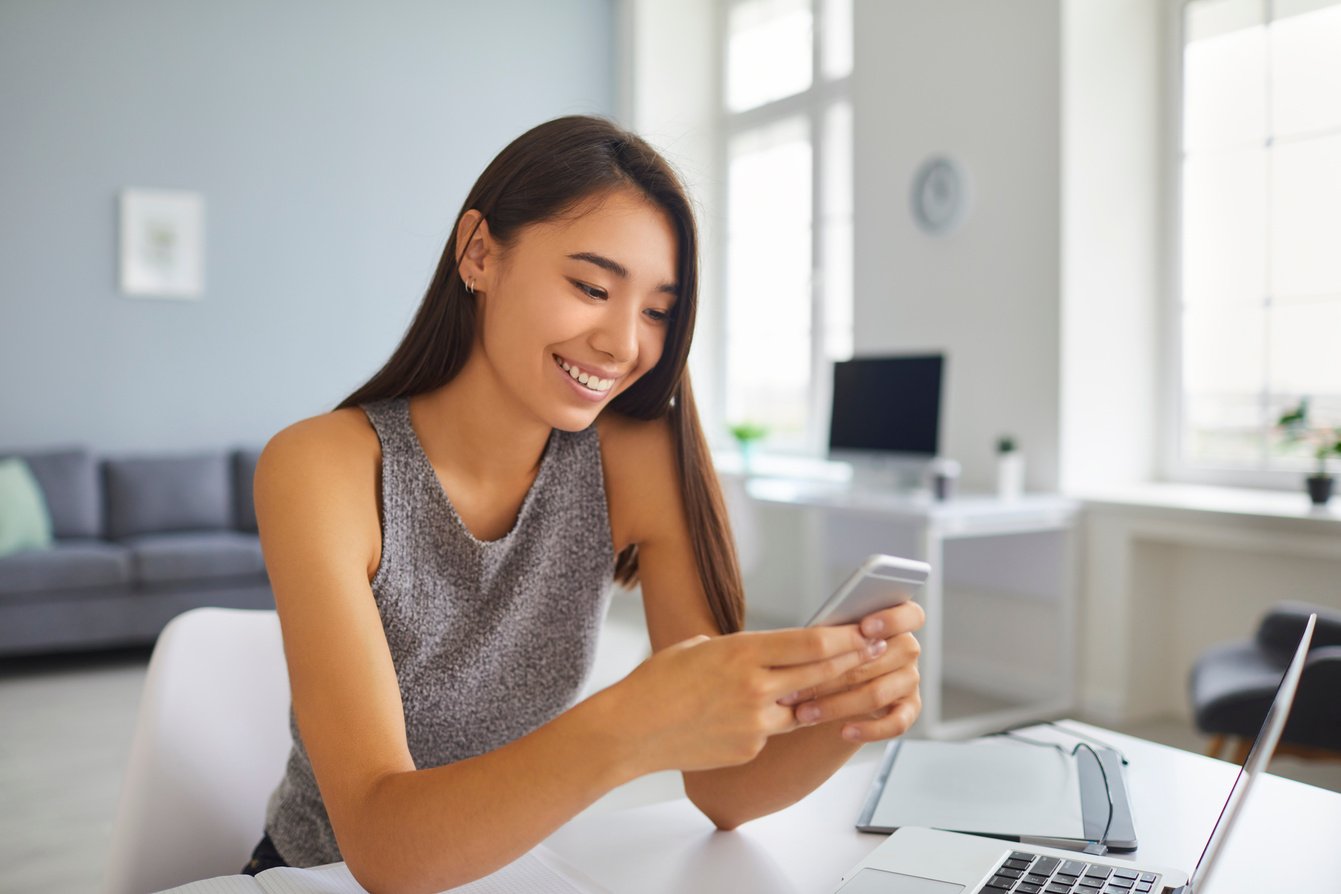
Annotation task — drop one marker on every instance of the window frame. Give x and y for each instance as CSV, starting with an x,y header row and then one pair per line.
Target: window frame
x,y
1173,464
812,105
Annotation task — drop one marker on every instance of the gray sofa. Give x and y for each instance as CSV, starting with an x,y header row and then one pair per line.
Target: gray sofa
x,y
138,540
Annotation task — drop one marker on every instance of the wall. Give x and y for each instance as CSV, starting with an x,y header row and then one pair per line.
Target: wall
x,y
668,94
980,81
1164,583
333,143
1050,300
1113,124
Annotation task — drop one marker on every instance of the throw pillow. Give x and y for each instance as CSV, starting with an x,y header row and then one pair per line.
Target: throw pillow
x,y
24,520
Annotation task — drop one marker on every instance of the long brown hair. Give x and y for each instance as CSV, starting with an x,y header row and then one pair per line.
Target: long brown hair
x,y
547,171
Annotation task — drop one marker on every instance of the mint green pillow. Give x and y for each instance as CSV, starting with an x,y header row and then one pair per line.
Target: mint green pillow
x,y
25,522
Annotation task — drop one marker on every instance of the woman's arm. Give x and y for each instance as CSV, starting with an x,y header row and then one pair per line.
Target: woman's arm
x,y
877,699
403,829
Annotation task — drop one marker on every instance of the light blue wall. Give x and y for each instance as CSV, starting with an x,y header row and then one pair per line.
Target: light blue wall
x,y
333,141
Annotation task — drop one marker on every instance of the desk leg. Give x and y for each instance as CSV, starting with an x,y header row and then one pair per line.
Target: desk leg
x,y
932,636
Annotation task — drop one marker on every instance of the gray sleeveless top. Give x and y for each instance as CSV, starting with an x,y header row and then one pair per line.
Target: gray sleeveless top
x,y
490,640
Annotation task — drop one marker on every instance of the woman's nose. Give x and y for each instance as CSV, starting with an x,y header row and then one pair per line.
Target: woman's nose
x,y
617,335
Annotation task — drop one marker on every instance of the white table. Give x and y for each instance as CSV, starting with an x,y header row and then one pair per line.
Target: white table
x,y
1001,602
1288,837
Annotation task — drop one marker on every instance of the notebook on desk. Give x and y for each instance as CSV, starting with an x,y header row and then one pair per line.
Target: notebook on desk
x,y
931,861
1007,786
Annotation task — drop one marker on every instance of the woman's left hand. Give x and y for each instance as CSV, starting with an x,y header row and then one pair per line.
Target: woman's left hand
x,y
879,699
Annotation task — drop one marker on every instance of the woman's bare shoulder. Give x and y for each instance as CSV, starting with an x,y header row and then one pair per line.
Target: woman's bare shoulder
x,y
331,458
318,481
340,438
641,483
644,445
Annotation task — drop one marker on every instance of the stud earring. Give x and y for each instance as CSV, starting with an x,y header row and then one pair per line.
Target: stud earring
x,y
470,285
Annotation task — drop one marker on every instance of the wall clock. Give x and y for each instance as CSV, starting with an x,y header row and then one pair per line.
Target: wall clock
x,y
939,195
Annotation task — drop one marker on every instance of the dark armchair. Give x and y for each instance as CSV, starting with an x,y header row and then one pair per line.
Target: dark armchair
x,y
1232,686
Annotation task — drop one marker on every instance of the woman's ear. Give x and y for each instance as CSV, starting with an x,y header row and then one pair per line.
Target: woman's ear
x,y
474,251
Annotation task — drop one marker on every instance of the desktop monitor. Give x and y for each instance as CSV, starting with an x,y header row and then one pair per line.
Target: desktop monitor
x,y
886,412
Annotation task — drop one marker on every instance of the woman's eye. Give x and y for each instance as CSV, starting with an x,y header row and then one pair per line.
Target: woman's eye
x,y
659,316
591,291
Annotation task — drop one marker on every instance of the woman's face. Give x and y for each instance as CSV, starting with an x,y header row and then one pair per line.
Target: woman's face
x,y
576,310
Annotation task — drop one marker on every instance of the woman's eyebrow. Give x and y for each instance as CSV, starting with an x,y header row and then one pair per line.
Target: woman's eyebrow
x,y
617,268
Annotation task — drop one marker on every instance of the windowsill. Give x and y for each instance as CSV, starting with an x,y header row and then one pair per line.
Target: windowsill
x,y
782,465
1242,503
1153,498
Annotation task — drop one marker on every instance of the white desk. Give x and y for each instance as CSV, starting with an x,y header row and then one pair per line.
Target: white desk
x,y
1286,839
1001,602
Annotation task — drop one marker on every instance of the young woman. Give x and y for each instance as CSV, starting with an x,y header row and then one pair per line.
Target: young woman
x,y
442,546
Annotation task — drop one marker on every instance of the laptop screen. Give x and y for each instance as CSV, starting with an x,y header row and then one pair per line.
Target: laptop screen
x,y
1258,758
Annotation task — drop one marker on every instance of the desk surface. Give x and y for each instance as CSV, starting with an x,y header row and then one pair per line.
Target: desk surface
x,y
1285,840
970,512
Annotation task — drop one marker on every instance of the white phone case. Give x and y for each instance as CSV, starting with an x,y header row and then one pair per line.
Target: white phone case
x,y
880,582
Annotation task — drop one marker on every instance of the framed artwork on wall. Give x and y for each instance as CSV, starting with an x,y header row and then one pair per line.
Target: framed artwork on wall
x,y
162,243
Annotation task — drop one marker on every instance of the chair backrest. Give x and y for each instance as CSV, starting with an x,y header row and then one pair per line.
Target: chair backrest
x,y
210,745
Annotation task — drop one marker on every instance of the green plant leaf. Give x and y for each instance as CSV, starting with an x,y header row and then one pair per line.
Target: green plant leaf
x,y
745,432
1295,418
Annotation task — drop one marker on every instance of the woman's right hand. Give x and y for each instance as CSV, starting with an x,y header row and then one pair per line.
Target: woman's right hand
x,y
712,702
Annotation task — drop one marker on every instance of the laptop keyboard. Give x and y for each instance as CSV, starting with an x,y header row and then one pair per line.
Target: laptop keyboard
x,y
1023,873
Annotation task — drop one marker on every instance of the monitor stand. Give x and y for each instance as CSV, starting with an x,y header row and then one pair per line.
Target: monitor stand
x,y
908,475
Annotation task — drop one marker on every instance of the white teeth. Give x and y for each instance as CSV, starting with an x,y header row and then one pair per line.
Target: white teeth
x,y
593,382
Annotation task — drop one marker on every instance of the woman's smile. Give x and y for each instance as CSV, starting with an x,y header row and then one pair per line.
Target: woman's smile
x,y
587,383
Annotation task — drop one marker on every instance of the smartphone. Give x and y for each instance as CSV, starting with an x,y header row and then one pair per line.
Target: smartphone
x,y
878,583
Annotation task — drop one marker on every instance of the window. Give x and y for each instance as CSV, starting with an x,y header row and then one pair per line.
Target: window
x,y
1260,293
787,147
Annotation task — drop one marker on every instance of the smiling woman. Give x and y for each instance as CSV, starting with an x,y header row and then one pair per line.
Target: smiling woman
x,y
442,545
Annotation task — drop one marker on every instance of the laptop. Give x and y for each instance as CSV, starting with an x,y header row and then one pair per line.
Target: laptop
x,y
928,861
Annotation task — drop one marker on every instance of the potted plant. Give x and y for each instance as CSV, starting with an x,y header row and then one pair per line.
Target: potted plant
x,y
1324,441
747,434
1009,469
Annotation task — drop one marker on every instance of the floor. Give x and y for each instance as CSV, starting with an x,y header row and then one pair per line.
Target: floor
x,y
65,728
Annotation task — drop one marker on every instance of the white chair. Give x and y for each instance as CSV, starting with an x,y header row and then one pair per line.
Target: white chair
x,y
210,745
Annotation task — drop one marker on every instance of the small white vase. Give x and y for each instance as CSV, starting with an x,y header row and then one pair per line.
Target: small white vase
x,y
1010,475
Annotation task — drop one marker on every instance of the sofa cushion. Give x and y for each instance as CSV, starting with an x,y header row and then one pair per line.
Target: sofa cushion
x,y
160,558
24,522
244,473
66,565
152,495
69,480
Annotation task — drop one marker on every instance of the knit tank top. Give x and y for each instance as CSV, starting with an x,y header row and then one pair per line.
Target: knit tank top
x,y
490,640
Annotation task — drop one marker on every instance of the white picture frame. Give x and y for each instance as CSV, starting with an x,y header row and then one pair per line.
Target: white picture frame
x,y
162,243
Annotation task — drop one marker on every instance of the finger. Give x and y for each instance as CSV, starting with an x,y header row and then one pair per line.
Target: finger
x,y
777,719
787,681
870,696
903,618
894,723
903,650
803,645
858,675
